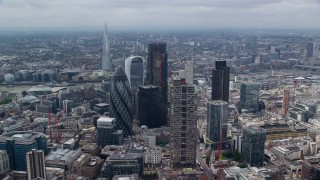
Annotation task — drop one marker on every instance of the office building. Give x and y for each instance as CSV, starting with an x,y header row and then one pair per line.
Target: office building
x,y
36,164
121,101
17,144
87,166
249,97
183,122
122,164
152,156
107,134
309,54
63,158
157,72
101,108
217,119
220,81
316,52
4,163
253,146
149,104
106,63
134,68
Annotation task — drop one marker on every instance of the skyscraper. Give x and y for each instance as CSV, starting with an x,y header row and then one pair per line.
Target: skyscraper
x,y
149,103
121,101
183,122
249,97
157,72
36,164
106,63
134,69
220,81
217,115
17,144
253,145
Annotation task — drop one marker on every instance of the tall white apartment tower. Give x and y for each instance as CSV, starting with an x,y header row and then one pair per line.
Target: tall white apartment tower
x,y
183,123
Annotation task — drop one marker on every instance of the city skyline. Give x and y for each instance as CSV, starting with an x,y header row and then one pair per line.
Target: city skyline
x,y
141,14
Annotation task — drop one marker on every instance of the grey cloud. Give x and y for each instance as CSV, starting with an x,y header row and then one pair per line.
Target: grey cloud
x,y
195,13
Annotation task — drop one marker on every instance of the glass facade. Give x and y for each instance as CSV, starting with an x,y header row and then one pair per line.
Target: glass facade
x,y
17,144
157,72
253,146
134,69
20,151
149,104
121,101
249,97
217,115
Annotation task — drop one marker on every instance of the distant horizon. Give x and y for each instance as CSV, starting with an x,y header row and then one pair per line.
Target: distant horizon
x,y
160,15
147,29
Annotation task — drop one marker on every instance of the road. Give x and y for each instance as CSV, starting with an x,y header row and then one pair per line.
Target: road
x,y
206,169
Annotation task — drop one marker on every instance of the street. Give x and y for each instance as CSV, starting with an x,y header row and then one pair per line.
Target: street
x,y
200,160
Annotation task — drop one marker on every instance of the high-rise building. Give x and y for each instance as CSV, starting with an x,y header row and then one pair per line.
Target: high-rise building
x,y
253,145
134,68
157,71
107,133
220,81
121,101
249,97
36,167
183,122
17,144
309,53
106,63
4,163
149,103
217,115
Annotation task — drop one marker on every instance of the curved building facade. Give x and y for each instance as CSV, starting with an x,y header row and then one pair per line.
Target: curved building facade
x,y
121,101
134,69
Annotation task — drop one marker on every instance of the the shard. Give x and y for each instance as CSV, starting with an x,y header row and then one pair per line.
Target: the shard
x,y
105,57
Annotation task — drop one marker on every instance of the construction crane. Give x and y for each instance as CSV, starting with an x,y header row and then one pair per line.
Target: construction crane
x,y
58,127
275,102
285,102
219,155
294,92
49,117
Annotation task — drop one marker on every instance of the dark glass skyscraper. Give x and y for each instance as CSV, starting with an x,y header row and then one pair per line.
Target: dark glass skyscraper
x,y
220,81
149,103
157,72
217,119
249,97
121,101
134,69
253,145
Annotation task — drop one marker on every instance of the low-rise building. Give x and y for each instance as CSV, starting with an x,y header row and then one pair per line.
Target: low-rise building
x,y
63,158
153,156
122,164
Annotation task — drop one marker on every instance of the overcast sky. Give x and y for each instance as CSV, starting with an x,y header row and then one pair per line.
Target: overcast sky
x,y
171,14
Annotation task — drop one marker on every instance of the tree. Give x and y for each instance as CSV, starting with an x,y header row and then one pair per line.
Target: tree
x,y
242,165
236,155
24,93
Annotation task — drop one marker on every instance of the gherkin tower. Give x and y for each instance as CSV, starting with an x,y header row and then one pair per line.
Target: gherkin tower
x,y
121,101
